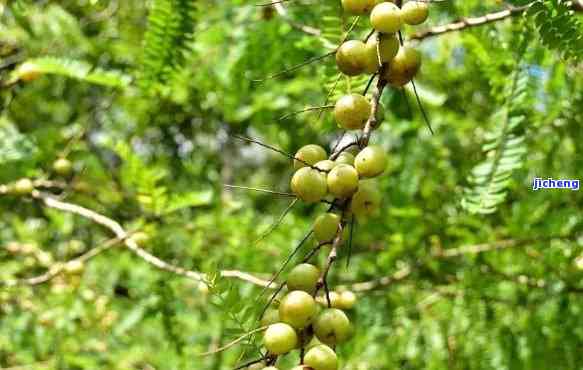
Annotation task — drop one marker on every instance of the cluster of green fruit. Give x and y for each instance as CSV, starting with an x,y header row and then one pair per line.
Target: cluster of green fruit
x,y
355,57
347,178
300,322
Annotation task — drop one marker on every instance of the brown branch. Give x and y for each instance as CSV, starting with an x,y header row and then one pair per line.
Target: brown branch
x,y
122,235
58,268
469,23
371,123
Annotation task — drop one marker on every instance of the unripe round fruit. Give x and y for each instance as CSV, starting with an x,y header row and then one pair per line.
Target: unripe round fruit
x,y
62,166
74,267
280,338
303,277
326,227
347,300
388,46
415,12
367,200
140,238
386,18
351,57
345,158
342,181
403,67
297,309
358,7
334,300
371,161
352,111
321,357
309,184
28,72
23,187
332,326
311,154
270,317
325,165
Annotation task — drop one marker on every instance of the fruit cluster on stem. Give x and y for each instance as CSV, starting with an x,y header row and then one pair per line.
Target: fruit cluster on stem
x,y
306,318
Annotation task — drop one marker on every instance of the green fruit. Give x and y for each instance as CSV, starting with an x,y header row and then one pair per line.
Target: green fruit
x,y
297,309
140,238
342,181
280,338
386,18
334,300
310,154
371,161
332,326
326,227
415,12
384,46
321,357
345,158
23,187
270,317
347,300
351,57
403,67
325,165
367,200
352,111
62,166
28,71
358,7
303,277
309,184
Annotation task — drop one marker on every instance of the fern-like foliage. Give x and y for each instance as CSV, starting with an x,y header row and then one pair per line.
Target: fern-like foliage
x,y
558,27
504,150
71,68
170,31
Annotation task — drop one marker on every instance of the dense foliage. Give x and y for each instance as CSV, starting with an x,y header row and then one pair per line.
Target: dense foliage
x,y
138,257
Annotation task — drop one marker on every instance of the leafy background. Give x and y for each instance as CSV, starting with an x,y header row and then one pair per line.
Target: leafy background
x,y
145,98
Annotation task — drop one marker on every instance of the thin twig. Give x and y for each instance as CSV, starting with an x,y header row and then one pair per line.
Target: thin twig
x,y
267,191
231,344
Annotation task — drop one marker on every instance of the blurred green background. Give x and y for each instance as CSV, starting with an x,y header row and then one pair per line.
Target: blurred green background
x,y
144,97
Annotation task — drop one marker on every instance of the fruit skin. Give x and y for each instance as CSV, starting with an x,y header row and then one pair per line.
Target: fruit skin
x,y
325,165
386,18
62,166
403,67
311,154
280,338
345,158
321,357
332,326
351,57
347,300
342,181
326,227
28,72
415,12
352,111
388,46
270,317
297,309
358,7
334,300
23,187
367,200
371,161
303,277
309,184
